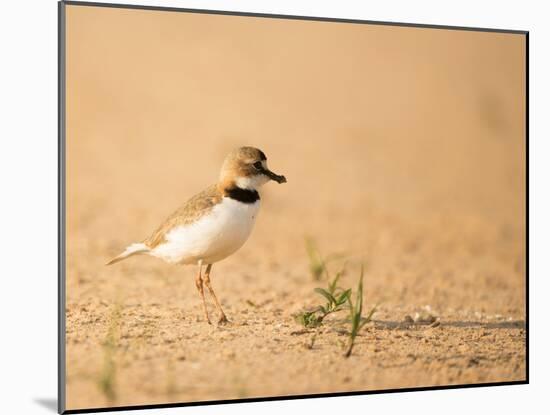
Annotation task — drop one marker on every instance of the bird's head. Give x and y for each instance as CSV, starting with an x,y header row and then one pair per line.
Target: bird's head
x,y
246,167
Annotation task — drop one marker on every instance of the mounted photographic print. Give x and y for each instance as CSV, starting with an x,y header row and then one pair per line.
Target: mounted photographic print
x,y
258,207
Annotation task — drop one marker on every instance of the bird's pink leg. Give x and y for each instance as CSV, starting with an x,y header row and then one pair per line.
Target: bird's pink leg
x,y
223,318
198,283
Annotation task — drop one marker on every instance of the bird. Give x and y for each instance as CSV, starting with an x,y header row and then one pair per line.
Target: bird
x,y
214,223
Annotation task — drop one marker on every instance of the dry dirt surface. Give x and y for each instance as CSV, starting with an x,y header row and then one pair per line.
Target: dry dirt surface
x,y
404,149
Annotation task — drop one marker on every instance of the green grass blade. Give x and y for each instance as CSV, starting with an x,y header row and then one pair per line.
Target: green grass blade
x,y
325,294
343,297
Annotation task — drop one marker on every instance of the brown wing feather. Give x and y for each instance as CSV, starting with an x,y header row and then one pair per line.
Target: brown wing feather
x,y
193,209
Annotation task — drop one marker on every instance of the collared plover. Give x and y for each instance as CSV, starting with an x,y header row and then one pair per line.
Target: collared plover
x,y
214,223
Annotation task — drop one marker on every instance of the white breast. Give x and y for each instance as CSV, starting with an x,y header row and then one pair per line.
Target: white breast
x,y
213,237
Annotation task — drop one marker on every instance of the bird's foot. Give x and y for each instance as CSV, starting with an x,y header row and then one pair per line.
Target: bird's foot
x,y
223,320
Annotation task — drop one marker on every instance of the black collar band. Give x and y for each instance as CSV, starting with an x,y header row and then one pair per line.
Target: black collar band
x,y
242,195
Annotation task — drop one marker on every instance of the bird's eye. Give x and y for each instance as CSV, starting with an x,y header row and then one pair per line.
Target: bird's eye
x,y
258,165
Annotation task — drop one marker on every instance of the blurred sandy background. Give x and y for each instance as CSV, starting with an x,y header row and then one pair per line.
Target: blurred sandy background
x,y
403,147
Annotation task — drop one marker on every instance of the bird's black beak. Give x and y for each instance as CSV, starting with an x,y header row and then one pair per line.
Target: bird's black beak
x,y
273,176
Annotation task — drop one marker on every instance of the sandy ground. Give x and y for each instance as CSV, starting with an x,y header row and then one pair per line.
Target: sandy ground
x,y
403,148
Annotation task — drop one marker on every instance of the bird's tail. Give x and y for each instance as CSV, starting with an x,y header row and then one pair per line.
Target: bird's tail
x,y
133,249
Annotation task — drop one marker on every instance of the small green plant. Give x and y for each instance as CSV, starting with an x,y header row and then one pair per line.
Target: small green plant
x,y
336,300
318,263
107,377
356,315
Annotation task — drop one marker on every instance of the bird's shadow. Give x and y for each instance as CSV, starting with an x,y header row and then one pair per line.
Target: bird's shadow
x,y
516,324
48,403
